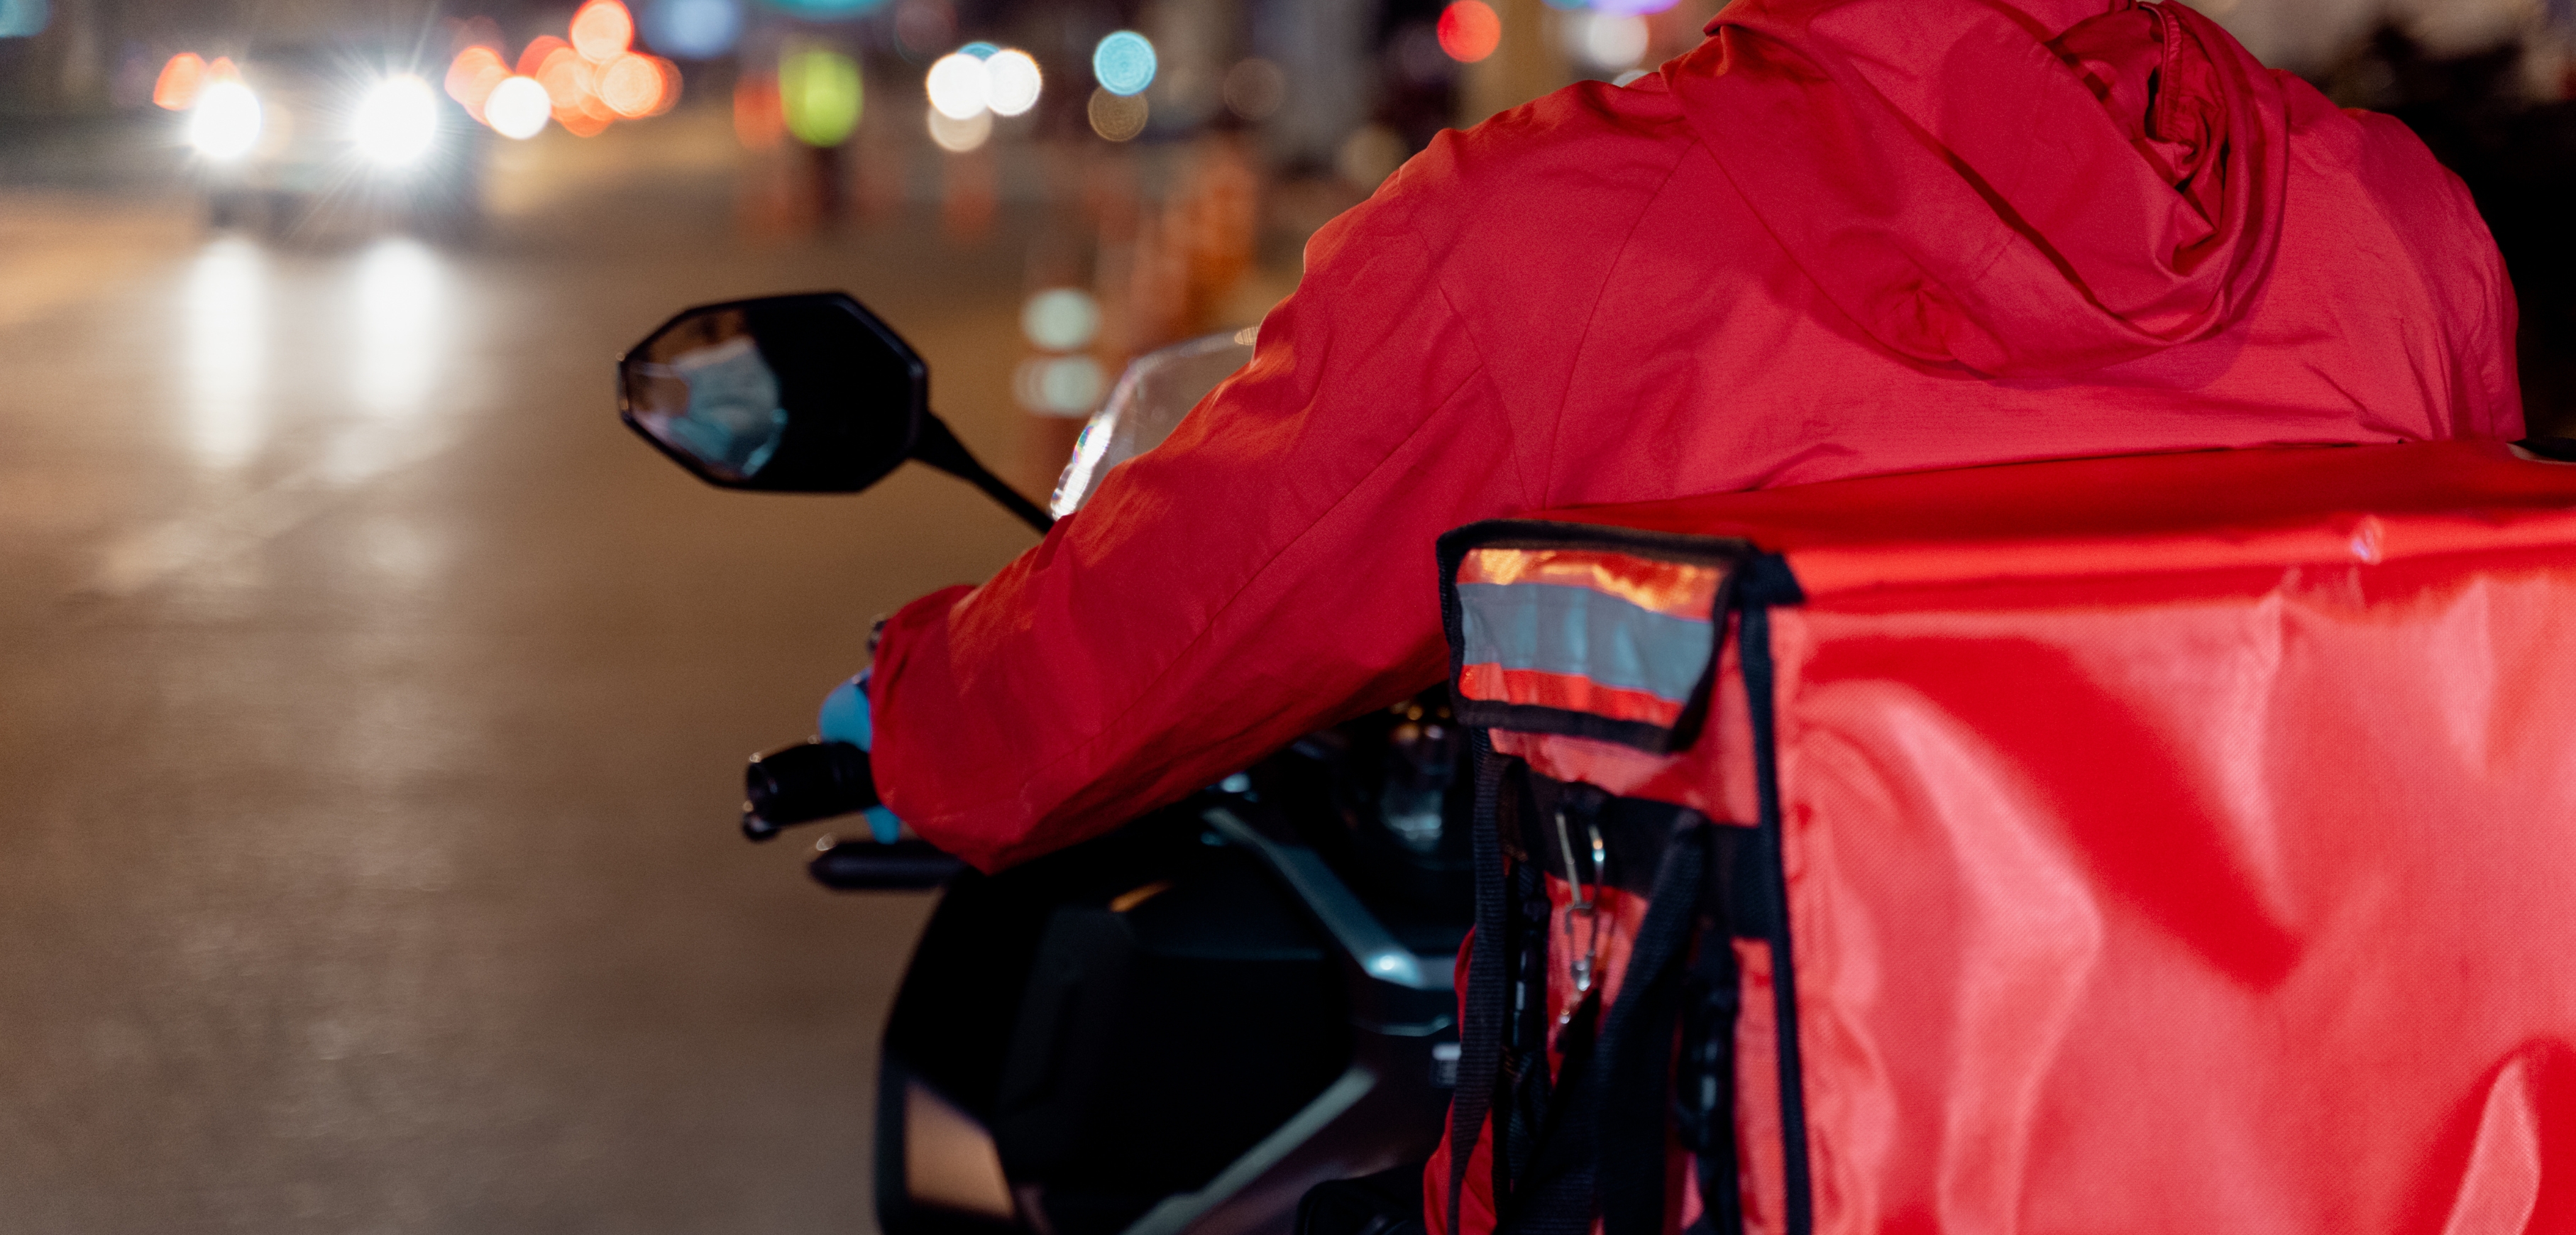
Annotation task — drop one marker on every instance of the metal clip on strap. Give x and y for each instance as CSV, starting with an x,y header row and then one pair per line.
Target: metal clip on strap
x,y
1585,901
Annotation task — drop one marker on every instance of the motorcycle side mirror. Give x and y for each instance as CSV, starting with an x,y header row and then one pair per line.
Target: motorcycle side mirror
x,y
808,393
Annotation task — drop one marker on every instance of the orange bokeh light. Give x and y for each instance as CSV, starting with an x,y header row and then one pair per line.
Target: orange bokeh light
x,y
631,85
221,68
473,74
591,81
670,85
1469,31
602,30
180,80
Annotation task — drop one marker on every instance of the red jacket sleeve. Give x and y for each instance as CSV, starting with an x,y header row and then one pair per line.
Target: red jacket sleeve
x,y
1267,571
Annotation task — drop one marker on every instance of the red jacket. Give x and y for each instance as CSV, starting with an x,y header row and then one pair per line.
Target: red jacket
x,y
1841,237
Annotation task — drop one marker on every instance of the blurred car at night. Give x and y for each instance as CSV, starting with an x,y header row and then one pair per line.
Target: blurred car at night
x,y
286,136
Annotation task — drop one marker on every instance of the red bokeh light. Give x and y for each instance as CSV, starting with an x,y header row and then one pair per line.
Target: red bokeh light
x,y
566,77
758,119
180,80
534,58
602,30
1469,30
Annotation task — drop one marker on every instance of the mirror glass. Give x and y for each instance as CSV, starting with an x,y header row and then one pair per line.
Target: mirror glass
x,y
804,394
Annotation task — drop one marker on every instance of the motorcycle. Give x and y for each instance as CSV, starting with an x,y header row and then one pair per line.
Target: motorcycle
x,y
1180,1027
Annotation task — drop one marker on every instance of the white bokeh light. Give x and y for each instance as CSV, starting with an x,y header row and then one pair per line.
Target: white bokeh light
x,y
518,108
1061,319
1013,82
960,86
225,122
1607,40
959,136
1059,385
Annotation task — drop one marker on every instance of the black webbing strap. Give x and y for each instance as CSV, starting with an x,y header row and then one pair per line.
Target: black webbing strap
x,y
1769,581
1553,1195
1603,1146
1704,1093
1637,1045
1527,1085
1480,1035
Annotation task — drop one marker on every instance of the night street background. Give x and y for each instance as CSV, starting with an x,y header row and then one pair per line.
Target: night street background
x,y
372,703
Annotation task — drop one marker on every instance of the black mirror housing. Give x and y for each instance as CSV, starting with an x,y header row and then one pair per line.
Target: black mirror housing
x,y
806,393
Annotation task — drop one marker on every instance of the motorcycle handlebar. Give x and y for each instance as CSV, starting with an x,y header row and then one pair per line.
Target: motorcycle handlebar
x,y
802,783
866,866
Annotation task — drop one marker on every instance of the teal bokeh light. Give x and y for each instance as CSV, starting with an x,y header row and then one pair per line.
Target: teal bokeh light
x,y
20,19
826,10
1123,63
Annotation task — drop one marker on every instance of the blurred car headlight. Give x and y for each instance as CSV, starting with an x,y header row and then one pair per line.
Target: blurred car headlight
x,y
397,121
225,122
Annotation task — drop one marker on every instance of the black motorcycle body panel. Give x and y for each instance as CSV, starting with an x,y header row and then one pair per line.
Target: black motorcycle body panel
x,y
1154,1032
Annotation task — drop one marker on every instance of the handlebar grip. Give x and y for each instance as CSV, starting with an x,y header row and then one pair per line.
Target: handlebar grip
x,y
865,866
802,783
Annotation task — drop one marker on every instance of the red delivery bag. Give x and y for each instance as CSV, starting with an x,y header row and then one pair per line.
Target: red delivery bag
x,y
2178,843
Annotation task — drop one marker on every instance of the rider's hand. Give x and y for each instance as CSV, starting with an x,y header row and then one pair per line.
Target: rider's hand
x,y
845,718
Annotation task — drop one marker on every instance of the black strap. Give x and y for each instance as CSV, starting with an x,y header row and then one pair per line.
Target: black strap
x,y
1768,575
1704,1092
1480,1035
1528,1086
1637,1047
1553,1194
1602,1146
1594,1141
1598,1143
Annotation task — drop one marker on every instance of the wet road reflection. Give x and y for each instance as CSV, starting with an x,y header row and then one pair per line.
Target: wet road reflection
x,y
371,709
402,323
225,328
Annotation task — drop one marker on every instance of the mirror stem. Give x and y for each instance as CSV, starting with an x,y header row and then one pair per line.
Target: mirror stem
x,y
940,449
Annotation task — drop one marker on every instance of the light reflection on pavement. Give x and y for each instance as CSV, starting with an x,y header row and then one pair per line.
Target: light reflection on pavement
x,y
371,710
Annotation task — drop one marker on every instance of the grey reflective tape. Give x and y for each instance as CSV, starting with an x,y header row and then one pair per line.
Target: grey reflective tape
x,y
1578,632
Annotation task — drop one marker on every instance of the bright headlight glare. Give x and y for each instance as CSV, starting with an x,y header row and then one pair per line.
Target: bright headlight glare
x,y
397,121
225,122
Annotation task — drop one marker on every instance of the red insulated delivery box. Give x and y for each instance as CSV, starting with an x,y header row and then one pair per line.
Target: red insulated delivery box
x,y
2176,843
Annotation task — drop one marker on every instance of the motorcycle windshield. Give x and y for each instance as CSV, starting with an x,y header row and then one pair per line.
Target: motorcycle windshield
x,y
1157,390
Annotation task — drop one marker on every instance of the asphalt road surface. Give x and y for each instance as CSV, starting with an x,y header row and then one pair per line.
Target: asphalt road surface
x,y
371,715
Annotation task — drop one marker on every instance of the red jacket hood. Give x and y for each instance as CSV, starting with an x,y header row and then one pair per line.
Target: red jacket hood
x,y
2022,187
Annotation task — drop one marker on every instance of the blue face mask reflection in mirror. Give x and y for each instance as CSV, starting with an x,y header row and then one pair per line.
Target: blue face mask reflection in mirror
x,y
733,421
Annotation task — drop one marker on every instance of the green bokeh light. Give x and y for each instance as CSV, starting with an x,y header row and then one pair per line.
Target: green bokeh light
x,y
818,90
